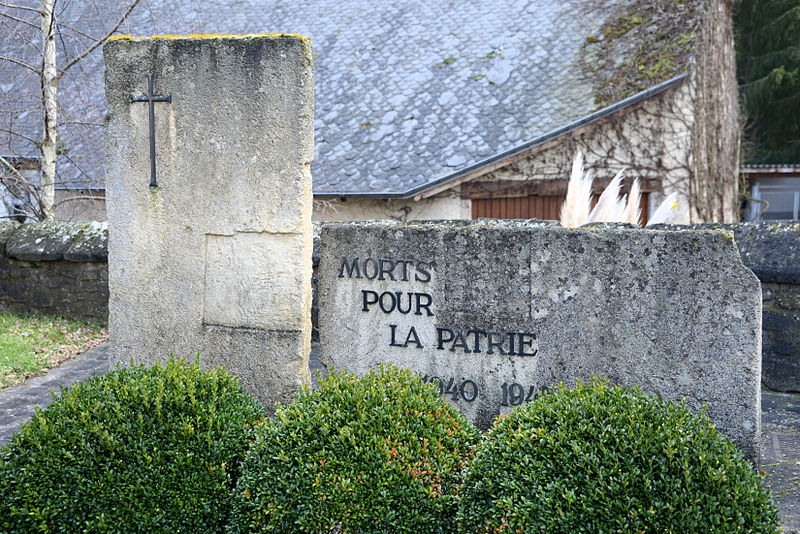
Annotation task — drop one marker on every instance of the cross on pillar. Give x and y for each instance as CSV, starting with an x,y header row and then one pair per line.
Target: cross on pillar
x,y
151,98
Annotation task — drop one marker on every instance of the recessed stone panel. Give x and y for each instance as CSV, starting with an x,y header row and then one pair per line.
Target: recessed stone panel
x,y
255,281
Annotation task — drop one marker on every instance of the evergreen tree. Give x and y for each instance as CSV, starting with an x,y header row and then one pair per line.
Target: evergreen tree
x,y
768,64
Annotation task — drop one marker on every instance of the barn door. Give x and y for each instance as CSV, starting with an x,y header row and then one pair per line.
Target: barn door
x,y
529,207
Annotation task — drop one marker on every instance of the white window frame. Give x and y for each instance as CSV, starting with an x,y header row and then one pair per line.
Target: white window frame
x,y
766,185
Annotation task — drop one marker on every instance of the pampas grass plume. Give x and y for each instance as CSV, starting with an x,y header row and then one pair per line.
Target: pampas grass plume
x,y
575,209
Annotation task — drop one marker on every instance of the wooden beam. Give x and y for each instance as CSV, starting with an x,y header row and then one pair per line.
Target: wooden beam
x,y
552,187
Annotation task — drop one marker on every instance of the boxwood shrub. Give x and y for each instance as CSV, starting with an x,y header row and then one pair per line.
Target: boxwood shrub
x,y
603,458
140,449
381,453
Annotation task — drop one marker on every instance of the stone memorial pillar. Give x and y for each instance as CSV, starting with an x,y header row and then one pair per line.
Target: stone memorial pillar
x,y
208,145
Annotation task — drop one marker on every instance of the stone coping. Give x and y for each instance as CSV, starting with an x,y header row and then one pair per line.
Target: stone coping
x,y
770,249
55,241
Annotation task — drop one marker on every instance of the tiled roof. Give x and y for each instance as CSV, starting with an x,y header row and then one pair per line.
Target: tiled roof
x,y
407,92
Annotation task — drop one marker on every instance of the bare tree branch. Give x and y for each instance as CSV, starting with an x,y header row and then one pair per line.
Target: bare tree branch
x,y
23,190
21,136
82,123
99,42
18,35
20,63
77,166
76,30
19,20
24,8
13,169
81,197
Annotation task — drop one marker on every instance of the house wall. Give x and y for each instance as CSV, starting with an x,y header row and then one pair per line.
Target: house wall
x,y
71,206
685,140
653,141
448,205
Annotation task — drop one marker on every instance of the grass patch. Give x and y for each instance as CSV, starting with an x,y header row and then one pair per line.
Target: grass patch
x,y
30,345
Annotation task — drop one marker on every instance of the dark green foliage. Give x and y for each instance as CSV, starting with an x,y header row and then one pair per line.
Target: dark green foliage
x,y
136,450
606,459
768,68
382,453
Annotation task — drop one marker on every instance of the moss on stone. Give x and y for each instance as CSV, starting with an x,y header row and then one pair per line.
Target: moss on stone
x,y
641,44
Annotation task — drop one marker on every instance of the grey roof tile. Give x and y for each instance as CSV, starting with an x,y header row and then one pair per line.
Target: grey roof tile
x,y
445,82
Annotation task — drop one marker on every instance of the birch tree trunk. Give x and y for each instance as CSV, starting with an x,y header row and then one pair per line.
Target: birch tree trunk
x,y
50,110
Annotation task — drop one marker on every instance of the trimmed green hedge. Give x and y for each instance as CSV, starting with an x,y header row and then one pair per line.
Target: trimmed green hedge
x,y
603,458
136,450
381,453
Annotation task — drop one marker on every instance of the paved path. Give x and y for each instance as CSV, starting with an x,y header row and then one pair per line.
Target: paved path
x,y
780,455
780,424
17,402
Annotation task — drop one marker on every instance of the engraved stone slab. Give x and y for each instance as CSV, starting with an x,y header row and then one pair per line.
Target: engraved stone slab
x,y
496,312
216,259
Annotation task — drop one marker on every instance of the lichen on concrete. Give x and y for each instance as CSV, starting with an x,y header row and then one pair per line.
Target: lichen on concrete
x,y
55,241
91,245
770,249
217,258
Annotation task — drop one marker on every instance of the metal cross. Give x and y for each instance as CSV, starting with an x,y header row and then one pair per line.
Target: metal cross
x,y
151,98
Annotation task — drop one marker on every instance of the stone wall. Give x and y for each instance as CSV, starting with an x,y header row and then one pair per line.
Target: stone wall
x,y
71,279
55,269
772,251
497,311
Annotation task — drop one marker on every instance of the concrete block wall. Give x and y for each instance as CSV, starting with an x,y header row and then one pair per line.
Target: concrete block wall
x,y
54,268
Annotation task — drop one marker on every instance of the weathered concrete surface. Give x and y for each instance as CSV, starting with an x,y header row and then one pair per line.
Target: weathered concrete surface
x,y
772,251
674,312
217,258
